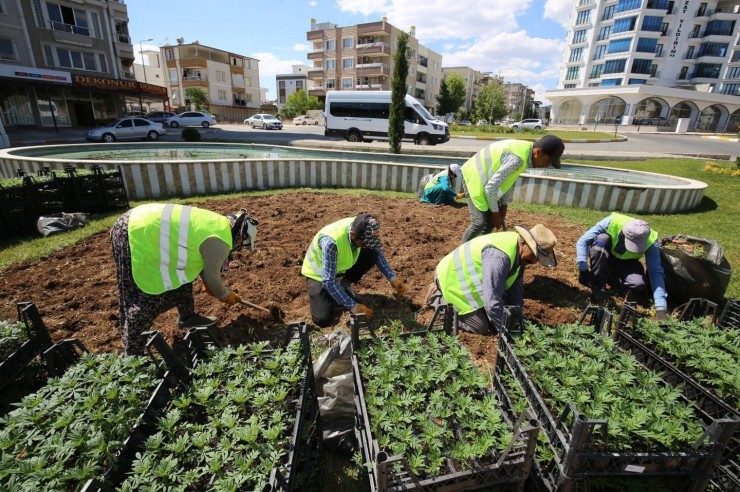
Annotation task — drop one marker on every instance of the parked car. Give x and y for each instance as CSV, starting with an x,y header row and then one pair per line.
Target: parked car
x,y
305,120
533,123
126,129
482,123
266,121
191,118
159,116
655,120
465,123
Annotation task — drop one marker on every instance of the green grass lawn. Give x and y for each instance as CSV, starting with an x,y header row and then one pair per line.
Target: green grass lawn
x,y
716,217
493,132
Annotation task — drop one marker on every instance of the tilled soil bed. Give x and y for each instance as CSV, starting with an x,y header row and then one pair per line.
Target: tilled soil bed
x,y
75,289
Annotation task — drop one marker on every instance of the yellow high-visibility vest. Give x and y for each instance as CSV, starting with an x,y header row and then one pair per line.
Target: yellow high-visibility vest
x,y
313,262
615,228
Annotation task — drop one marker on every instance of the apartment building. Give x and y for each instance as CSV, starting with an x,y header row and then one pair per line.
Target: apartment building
x,y
360,57
519,100
230,80
647,58
473,83
66,63
289,83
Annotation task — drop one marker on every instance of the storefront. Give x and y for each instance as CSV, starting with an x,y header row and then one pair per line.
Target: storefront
x,y
33,97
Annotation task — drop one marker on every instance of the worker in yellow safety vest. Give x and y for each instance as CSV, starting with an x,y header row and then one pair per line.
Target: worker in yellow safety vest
x,y
490,174
486,273
159,250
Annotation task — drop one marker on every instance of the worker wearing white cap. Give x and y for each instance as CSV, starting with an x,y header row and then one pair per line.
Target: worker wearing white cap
x,y
439,188
614,247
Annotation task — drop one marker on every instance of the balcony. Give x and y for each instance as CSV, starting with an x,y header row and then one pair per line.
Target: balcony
x,y
127,75
374,29
315,35
370,69
316,74
378,48
67,33
315,55
194,62
125,50
195,81
372,87
118,7
318,91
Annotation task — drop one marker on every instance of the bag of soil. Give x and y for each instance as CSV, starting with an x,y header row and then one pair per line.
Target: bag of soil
x,y
56,223
694,267
422,184
335,391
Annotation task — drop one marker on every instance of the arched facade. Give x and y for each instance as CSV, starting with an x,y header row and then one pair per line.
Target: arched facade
x,y
605,110
570,112
650,107
685,109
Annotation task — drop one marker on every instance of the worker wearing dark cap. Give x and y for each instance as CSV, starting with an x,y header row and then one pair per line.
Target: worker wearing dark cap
x,y
347,248
489,176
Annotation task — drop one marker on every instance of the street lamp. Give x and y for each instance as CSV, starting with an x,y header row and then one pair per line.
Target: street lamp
x,y
141,50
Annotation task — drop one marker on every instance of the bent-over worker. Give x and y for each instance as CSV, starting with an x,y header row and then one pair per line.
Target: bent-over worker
x,y
440,189
159,250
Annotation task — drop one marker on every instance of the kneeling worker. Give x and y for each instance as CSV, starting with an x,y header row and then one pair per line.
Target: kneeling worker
x,y
483,275
348,247
440,189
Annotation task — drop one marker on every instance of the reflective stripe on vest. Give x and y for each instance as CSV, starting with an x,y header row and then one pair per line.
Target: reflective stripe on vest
x,y
435,179
165,244
615,228
460,273
478,169
313,262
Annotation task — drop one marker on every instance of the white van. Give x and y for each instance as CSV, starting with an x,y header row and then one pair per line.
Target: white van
x,y
363,116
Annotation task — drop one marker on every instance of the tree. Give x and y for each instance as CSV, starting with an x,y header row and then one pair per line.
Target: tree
x,y
451,94
490,104
199,97
398,94
298,103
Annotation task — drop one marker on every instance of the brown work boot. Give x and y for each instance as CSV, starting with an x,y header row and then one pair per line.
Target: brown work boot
x,y
197,320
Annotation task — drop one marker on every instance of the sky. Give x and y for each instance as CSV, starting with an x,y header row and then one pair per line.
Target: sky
x,y
523,41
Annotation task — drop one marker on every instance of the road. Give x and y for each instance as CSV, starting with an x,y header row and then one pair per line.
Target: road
x,y
648,143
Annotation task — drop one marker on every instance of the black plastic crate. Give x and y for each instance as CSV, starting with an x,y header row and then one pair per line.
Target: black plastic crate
x,y
392,473
18,209
38,341
730,317
582,451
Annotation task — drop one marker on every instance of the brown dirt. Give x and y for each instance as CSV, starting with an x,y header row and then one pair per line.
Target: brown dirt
x,y
75,289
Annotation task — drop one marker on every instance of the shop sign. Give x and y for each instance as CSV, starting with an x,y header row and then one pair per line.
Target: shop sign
x,y
35,74
90,82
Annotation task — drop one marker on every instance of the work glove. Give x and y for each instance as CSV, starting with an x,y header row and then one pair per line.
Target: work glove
x,y
400,287
661,314
230,299
362,309
585,277
460,196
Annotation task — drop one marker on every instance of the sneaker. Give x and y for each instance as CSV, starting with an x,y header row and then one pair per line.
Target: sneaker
x,y
347,286
197,320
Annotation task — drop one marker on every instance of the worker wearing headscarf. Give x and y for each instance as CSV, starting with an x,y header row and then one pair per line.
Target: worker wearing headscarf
x,y
439,188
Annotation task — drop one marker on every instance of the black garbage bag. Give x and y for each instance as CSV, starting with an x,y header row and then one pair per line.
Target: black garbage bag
x,y
694,267
56,223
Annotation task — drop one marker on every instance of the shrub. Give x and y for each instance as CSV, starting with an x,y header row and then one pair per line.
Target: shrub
x,y
191,135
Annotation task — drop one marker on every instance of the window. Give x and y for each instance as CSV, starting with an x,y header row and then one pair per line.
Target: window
x,y
331,64
690,53
682,73
733,73
707,70
611,82
659,5
220,76
7,49
604,33
576,55
572,73
579,36
720,27
347,42
359,110
620,45
347,63
298,85
68,19
608,12
249,98
103,63
330,44
173,76
731,89
625,5
659,50
636,82
76,59
583,17
330,84
651,23
597,70
624,25
642,66
125,124
2,8
169,54
615,66
140,122
600,51
713,49
248,81
347,83
646,45
221,95
569,86
735,56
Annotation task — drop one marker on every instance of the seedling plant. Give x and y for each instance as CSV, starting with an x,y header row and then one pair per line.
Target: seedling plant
x,y
571,364
428,402
12,336
710,355
230,426
71,429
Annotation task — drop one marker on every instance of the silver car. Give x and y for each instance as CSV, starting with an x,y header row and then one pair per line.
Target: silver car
x,y
266,121
191,118
126,129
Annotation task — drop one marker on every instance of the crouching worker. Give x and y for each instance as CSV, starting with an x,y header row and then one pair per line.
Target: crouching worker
x,y
159,250
348,247
483,275
440,187
614,247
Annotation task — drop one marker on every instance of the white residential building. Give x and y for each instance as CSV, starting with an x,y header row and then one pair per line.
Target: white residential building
x,y
647,58
289,83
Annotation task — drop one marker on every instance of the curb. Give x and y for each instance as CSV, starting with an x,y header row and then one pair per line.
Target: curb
x,y
566,140
724,139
